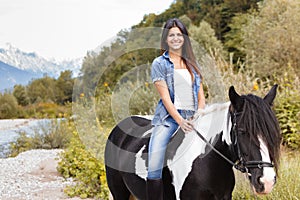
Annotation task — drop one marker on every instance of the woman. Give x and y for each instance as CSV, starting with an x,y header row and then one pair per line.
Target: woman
x,y
177,79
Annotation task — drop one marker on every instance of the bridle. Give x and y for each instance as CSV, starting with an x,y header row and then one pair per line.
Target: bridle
x,y
240,164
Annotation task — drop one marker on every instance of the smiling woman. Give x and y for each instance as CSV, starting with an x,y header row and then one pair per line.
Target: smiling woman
x,y
68,29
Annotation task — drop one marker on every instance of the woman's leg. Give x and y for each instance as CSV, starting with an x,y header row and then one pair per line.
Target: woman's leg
x,y
159,140
157,147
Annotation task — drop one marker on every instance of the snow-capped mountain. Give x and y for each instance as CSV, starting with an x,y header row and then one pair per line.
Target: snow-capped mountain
x,y
36,64
10,76
18,67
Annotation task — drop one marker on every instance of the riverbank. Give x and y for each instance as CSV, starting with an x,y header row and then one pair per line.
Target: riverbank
x,y
9,124
10,130
32,175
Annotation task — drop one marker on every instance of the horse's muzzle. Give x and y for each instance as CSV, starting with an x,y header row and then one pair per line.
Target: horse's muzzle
x,y
264,185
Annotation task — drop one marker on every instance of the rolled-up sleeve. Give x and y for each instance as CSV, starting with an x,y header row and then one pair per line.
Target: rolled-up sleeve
x,y
157,71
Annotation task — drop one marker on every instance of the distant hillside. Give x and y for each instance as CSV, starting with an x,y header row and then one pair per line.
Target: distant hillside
x,y
9,76
35,63
18,67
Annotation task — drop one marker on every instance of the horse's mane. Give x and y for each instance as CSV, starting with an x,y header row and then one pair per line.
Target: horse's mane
x,y
259,120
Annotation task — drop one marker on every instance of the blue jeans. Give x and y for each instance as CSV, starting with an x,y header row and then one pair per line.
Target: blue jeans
x,y
159,140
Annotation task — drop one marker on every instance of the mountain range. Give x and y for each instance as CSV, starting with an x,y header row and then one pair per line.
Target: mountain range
x,y
18,67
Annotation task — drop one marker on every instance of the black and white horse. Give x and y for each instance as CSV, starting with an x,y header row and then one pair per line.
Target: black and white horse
x,y
242,134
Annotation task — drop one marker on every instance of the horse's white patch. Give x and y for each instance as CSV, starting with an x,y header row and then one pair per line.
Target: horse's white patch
x,y
268,178
214,119
150,117
140,164
147,133
209,122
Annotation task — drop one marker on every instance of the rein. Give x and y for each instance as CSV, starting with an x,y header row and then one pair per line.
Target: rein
x,y
240,164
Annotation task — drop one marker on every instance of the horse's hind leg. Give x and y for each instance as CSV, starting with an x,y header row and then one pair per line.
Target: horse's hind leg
x,y
116,185
120,194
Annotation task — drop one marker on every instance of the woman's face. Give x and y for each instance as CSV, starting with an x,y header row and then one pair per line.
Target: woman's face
x,y
175,39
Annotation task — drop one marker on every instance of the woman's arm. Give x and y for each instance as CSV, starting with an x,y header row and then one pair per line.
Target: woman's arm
x,y
163,91
201,97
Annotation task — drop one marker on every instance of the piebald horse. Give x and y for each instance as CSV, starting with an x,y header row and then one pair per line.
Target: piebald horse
x,y
241,134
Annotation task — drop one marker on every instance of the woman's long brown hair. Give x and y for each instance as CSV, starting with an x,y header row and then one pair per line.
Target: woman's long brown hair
x,y
187,52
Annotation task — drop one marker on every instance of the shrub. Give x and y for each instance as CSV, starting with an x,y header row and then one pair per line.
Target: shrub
x,y
288,109
134,98
89,172
8,106
55,135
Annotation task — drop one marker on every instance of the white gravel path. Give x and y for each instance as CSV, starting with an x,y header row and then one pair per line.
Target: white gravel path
x,y
32,175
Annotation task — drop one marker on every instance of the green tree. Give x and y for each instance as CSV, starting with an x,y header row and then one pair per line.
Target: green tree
x,y
105,69
204,34
176,9
240,6
271,38
64,87
8,106
42,89
234,38
193,9
219,13
212,13
21,95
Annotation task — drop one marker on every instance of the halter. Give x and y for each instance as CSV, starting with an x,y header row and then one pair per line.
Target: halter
x,y
241,164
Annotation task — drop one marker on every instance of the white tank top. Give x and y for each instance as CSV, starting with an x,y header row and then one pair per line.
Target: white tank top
x,y
183,90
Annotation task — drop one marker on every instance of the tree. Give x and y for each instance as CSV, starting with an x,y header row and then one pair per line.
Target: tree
x,y
8,106
21,95
234,38
64,87
212,13
205,36
42,89
271,38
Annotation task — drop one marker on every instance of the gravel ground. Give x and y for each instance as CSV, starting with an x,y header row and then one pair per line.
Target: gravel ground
x,y
32,175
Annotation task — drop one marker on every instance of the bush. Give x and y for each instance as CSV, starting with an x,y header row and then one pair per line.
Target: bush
x,y
8,106
89,172
54,136
133,98
288,114
288,109
47,110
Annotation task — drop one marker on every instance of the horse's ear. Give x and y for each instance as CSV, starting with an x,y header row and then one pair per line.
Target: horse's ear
x,y
235,98
269,98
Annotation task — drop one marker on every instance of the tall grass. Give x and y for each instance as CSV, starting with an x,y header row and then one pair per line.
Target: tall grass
x,y
286,188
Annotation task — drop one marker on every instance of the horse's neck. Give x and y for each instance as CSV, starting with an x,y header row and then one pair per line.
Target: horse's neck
x,y
209,122
213,120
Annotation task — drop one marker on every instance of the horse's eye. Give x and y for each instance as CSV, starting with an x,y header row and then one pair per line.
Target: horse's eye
x,y
242,131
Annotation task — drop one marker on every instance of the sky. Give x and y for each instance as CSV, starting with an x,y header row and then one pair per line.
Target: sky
x,y
67,29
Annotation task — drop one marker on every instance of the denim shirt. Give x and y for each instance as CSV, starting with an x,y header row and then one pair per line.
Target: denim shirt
x,y
163,69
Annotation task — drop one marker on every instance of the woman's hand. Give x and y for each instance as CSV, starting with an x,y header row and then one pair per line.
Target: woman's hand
x,y
186,125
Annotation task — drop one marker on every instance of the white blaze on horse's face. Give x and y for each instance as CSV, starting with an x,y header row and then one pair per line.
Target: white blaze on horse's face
x,y
269,176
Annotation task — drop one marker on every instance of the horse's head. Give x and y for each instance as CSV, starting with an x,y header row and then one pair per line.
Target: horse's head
x,y
255,138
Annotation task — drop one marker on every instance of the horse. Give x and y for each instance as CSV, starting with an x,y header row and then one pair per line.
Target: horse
x,y
241,134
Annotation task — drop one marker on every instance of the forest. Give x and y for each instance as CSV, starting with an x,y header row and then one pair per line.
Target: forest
x,y
251,44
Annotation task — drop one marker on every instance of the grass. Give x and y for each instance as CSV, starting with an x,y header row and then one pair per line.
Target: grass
x,y
288,182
